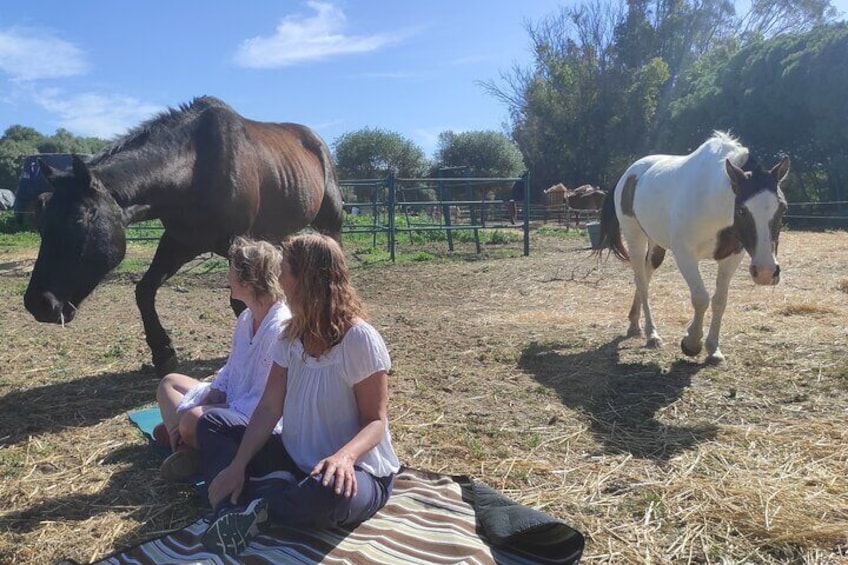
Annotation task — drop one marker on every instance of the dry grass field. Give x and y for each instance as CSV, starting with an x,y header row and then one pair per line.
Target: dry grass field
x,y
512,370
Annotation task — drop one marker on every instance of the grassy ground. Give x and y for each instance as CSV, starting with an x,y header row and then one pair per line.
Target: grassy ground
x,y
512,369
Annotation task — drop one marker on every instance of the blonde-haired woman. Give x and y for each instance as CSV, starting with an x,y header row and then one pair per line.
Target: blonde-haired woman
x,y
254,279
334,463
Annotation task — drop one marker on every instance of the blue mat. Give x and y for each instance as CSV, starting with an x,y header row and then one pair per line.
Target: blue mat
x,y
147,419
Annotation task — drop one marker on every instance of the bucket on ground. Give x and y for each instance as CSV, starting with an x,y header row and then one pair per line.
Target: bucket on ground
x,y
594,230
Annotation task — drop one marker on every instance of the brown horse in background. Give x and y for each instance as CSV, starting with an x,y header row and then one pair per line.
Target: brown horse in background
x,y
559,200
586,197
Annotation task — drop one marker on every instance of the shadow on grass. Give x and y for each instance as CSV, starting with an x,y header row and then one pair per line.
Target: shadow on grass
x,y
621,400
83,402
130,490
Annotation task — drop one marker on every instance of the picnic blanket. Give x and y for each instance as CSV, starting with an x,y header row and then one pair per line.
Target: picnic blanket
x,y
430,519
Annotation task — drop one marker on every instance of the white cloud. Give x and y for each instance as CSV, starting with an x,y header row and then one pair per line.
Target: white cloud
x,y
300,39
98,115
397,75
28,54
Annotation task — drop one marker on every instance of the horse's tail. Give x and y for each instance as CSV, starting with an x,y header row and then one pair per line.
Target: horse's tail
x,y
330,216
610,233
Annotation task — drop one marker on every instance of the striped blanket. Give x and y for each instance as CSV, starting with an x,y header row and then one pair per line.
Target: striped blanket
x,y
429,520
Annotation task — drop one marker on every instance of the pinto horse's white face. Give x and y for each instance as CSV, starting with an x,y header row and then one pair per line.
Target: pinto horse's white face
x,y
758,217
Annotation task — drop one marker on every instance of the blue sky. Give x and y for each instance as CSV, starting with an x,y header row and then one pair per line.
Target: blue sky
x,y
100,67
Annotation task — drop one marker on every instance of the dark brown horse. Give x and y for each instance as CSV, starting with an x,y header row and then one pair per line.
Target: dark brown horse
x,y
208,174
586,197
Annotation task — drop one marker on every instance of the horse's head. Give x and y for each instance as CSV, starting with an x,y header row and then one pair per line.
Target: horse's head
x,y
82,239
758,215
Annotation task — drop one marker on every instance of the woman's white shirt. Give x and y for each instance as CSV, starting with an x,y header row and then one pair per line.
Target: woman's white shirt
x,y
320,411
244,375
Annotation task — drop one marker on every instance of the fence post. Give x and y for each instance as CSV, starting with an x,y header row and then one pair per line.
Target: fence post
x,y
446,213
390,181
527,214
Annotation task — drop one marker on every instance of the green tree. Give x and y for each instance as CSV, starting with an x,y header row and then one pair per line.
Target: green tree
x,y
780,95
376,153
607,73
487,154
19,141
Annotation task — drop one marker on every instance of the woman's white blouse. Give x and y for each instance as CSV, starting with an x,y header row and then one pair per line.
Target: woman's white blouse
x,y
244,375
320,410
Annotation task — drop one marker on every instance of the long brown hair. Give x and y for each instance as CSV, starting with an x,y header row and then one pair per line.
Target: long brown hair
x,y
325,304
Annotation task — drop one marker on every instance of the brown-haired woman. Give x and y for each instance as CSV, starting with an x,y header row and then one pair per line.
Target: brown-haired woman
x,y
335,463
254,279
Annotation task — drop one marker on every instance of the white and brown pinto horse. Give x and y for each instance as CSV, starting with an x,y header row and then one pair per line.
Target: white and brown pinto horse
x,y
711,204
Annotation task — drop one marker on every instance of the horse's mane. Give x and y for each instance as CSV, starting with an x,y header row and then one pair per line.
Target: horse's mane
x,y
726,146
166,121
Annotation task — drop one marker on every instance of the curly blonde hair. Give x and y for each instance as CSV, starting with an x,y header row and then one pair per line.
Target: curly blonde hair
x,y
257,264
325,304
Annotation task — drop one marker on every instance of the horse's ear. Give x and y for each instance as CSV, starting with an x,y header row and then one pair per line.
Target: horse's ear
x,y
80,169
737,175
136,213
780,170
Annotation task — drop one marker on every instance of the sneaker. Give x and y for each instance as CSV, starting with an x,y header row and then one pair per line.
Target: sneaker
x,y
233,530
180,466
161,436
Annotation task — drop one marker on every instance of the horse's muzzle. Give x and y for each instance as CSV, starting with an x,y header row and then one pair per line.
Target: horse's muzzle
x,y
765,276
45,307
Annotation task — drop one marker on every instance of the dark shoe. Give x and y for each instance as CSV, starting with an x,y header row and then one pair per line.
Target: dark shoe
x,y
180,465
231,533
161,436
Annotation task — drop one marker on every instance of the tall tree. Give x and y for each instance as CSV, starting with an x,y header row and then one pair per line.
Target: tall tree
x,y
780,95
606,74
769,18
376,153
486,153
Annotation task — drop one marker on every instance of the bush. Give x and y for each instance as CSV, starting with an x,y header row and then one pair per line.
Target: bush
x,y
9,224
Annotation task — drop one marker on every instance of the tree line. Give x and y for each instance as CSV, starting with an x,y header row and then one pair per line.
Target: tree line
x,y
613,80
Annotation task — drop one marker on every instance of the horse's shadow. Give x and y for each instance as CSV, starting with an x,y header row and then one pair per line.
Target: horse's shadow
x,y
83,402
621,400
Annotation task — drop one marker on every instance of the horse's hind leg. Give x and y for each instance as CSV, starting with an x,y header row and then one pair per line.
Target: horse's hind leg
x,y
330,217
653,259
639,245
726,268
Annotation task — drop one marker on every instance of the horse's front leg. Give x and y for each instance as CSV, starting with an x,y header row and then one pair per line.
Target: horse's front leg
x,y
692,344
726,268
168,259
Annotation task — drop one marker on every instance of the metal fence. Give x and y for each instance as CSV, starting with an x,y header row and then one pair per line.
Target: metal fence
x,y
399,206
817,215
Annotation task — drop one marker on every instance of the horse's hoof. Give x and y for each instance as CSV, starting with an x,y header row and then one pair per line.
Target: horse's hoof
x,y
714,359
654,343
634,332
691,352
165,365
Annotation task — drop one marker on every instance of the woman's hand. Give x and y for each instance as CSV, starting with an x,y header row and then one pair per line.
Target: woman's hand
x,y
337,467
215,396
230,482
